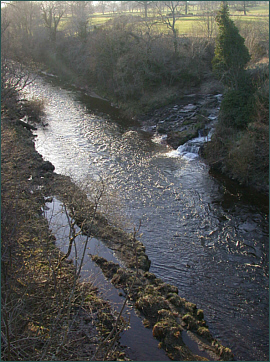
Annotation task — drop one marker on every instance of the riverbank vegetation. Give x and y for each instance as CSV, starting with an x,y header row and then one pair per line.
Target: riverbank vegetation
x,y
138,60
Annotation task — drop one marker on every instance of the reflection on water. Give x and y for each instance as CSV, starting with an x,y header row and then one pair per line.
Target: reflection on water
x,y
214,251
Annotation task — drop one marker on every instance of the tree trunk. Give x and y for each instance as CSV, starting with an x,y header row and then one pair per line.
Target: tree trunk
x,y
245,12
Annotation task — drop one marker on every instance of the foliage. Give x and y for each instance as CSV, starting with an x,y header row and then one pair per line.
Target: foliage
x,y
231,57
132,59
34,109
126,59
237,106
256,36
231,54
14,78
241,149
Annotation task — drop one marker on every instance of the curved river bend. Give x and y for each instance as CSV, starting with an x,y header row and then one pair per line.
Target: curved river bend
x,y
210,243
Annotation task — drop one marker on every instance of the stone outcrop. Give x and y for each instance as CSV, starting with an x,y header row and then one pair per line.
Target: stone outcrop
x,y
182,121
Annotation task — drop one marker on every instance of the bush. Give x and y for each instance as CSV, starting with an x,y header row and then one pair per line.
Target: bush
x,y
34,108
243,154
231,54
236,109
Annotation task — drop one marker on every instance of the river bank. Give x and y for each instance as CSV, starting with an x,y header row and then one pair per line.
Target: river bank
x,y
170,316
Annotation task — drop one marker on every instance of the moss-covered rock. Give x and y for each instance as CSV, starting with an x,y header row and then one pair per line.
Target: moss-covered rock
x,y
149,275
190,321
176,300
205,333
150,304
108,267
143,262
200,314
191,307
165,289
225,353
165,314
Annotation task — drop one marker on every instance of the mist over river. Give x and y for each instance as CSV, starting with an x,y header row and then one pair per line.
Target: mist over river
x,y
208,241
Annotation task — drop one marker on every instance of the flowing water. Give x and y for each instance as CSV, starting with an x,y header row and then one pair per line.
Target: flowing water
x,y
204,237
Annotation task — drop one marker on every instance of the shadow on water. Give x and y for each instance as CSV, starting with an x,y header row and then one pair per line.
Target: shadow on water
x,y
93,103
235,193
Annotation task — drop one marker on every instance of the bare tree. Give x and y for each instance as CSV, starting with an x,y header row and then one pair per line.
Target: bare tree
x,y
52,13
102,6
169,19
186,7
23,18
14,78
112,6
242,6
5,25
145,5
80,11
206,26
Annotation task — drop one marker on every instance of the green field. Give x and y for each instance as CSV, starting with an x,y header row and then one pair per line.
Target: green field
x,y
185,25
262,9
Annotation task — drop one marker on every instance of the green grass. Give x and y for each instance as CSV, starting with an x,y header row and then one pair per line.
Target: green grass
x,y
261,10
185,24
100,19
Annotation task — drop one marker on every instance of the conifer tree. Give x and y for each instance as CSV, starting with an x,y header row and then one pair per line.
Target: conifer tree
x,y
231,54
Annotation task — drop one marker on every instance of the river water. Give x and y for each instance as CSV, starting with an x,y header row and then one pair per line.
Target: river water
x,y
200,235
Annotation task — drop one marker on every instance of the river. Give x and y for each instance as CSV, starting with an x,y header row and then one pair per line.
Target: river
x,y
205,238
